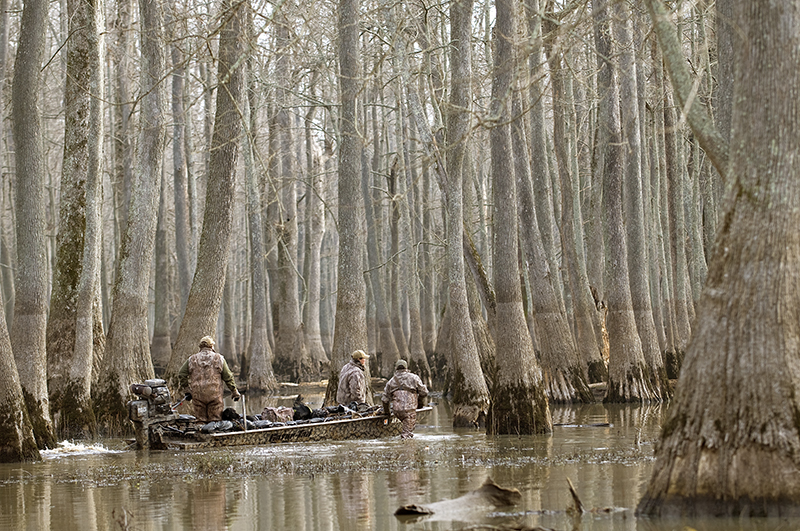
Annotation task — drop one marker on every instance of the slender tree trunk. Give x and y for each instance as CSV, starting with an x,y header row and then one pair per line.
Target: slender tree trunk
x,y
183,233
205,297
633,201
257,364
720,454
161,345
291,357
386,345
350,332
519,403
28,330
470,393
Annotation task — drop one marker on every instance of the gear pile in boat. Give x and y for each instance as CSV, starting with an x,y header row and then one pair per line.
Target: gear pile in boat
x,y
301,414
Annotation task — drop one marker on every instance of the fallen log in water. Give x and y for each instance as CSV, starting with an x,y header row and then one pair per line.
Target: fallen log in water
x,y
489,496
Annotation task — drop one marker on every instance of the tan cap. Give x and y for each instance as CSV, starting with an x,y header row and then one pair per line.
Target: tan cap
x,y
400,364
207,342
360,355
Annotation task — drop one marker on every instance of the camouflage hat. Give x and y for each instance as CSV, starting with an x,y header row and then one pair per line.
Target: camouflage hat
x,y
360,355
400,364
207,342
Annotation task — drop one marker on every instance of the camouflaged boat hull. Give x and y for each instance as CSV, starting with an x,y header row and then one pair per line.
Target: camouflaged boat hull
x,y
373,427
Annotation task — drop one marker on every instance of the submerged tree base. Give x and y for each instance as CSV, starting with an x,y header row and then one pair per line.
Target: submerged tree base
x,y
519,410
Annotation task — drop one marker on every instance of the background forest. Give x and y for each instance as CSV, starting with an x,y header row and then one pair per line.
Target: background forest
x,y
507,194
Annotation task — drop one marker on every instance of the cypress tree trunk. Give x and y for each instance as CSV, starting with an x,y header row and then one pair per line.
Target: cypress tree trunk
x,y
518,402
720,453
28,337
350,328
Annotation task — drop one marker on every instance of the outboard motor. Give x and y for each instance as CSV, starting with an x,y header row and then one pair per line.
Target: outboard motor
x,y
152,404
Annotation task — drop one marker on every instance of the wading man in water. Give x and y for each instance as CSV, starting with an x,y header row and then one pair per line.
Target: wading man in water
x,y
404,391
353,380
203,374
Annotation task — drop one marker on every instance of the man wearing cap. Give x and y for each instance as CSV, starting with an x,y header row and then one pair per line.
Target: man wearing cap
x,y
203,374
353,380
403,391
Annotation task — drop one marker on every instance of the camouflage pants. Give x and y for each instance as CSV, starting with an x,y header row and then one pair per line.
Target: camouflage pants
x,y
208,411
408,418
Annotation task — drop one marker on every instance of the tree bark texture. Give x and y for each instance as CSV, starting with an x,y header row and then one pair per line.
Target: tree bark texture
x,y
350,328
28,330
519,403
205,297
731,441
468,387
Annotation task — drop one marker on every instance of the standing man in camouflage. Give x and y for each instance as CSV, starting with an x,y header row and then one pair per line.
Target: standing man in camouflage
x,y
353,380
204,374
404,391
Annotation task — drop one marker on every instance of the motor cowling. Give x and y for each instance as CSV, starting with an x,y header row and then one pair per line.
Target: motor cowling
x,y
153,400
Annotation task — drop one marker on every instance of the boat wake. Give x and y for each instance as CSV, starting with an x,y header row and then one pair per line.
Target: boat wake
x,y
66,448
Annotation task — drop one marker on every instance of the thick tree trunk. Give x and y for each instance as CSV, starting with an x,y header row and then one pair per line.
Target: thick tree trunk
x,y
350,332
518,401
128,356
70,329
584,309
205,297
17,442
28,330
730,443
565,374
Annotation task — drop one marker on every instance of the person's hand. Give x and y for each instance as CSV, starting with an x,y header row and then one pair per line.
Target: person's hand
x,y
386,409
188,397
236,395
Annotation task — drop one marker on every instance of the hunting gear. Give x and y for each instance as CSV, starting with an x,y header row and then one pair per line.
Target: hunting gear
x,y
353,380
403,391
203,375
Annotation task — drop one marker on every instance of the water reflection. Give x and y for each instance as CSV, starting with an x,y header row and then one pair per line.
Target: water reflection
x,y
605,451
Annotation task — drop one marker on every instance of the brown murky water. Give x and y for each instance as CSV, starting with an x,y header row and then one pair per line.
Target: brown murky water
x,y
606,451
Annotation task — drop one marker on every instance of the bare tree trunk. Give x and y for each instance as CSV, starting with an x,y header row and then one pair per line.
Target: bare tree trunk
x,y
183,232
17,441
291,357
519,403
470,393
128,356
205,297
628,374
28,330
386,344
257,364
720,454
633,201
350,332
70,329
161,345
565,373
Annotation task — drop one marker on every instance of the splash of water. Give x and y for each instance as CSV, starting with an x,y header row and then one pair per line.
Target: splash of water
x,y
67,448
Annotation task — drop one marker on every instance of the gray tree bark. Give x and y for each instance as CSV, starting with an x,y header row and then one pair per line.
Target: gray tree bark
x,y
350,328
519,403
205,297
127,357
28,329
720,454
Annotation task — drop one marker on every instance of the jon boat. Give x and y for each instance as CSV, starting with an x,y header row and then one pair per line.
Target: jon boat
x,y
157,425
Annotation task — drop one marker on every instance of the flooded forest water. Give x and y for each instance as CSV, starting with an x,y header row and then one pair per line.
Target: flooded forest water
x,y
606,451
